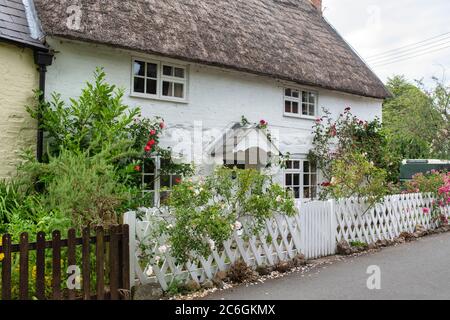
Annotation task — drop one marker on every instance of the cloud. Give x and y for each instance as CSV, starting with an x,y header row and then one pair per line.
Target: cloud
x,y
373,27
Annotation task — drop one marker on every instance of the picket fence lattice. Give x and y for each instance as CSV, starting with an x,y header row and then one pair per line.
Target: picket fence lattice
x,y
314,232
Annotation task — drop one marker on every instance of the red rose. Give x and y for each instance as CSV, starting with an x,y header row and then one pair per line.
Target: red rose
x,y
147,148
263,122
326,184
153,132
177,180
151,143
137,168
162,125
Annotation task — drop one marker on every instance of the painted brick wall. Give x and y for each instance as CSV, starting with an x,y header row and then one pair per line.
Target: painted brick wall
x,y
18,79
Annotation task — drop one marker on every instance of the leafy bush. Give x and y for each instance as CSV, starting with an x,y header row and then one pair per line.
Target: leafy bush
x,y
205,212
355,176
333,140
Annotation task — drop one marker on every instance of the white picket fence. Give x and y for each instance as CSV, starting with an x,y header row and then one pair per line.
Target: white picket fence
x,y
314,232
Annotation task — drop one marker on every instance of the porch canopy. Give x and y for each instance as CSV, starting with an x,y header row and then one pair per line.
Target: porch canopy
x,y
244,146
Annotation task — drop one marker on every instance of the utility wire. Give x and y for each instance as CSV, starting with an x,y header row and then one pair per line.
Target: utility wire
x,y
436,46
411,51
407,46
409,58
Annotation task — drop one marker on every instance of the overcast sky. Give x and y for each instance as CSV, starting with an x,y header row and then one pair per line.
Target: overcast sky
x,y
375,27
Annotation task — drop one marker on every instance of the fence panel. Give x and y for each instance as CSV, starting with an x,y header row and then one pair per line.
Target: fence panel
x,y
35,254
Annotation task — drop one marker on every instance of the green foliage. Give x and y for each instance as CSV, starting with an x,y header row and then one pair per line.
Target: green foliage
x,y
417,121
358,244
354,176
96,118
333,140
206,211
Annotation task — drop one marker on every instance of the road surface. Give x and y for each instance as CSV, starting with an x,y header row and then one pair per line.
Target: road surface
x,y
416,270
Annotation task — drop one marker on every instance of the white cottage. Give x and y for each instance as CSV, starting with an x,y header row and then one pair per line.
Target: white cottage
x,y
202,65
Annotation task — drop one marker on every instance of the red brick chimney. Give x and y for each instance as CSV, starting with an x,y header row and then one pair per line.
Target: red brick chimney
x,y
317,4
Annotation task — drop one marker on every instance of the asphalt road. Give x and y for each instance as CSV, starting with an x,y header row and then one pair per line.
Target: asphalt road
x,y
416,270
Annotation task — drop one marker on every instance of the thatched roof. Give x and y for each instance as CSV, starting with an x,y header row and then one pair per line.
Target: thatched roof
x,y
285,39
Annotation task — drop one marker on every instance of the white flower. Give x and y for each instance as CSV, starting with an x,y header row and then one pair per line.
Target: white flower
x,y
279,199
170,226
212,244
237,225
240,232
197,192
162,249
333,180
149,271
157,259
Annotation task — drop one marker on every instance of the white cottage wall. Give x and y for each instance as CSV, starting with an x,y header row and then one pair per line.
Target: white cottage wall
x,y
216,97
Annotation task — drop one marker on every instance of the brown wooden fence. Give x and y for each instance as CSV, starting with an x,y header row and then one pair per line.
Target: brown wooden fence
x,y
103,259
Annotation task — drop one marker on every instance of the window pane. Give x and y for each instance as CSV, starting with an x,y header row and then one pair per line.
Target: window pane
x,y
312,110
149,166
305,97
296,180
304,109
306,166
287,106
179,90
176,180
294,107
152,70
306,193
167,89
139,68
167,71
151,86
296,164
306,179
295,94
179,72
165,181
289,179
297,193
312,98
288,92
289,164
149,182
139,84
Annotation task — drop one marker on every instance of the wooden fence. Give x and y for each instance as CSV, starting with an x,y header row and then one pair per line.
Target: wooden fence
x,y
104,265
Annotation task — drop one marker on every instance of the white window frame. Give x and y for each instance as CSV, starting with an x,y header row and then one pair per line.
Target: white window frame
x,y
302,173
157,181
160,78
300,103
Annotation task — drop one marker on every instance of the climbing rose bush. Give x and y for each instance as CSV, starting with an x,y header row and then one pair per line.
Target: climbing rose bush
x,y
438,184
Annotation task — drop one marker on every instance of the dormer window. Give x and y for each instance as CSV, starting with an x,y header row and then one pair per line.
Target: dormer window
x,y
300,103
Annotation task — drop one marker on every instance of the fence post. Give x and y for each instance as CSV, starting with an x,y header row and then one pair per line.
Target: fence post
x,y
333,226
130,220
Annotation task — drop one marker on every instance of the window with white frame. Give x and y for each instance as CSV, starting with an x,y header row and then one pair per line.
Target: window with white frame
x,y
159,80
154,180
300,102
301,179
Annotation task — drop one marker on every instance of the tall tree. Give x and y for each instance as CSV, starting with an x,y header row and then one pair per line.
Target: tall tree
x,y
410,120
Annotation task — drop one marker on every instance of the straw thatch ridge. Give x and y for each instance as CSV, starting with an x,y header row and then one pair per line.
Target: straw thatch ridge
x,y
285,39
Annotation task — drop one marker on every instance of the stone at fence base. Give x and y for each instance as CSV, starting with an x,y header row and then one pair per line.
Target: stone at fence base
x,y
372,246
344,248
284,266
150,291
208,284
420,231
263,270
192,286
299,260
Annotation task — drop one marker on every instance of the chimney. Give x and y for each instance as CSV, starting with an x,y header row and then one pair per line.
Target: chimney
x,y
317,4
